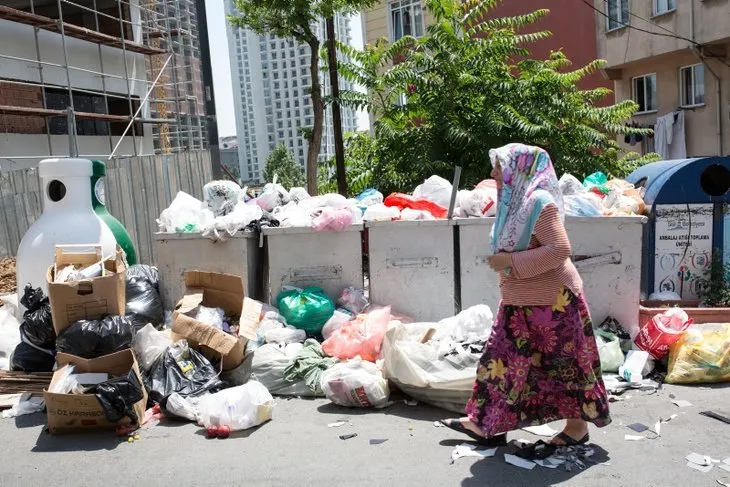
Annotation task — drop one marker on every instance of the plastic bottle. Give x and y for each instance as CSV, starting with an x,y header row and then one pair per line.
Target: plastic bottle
x,y
68,218
98,201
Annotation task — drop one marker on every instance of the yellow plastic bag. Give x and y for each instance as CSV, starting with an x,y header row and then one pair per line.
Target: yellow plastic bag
x,y
701,356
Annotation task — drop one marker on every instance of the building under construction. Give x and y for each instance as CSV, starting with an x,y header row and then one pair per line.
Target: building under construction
x,y
128,71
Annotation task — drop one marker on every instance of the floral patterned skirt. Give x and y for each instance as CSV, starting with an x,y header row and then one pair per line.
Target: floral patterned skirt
x,y
541,364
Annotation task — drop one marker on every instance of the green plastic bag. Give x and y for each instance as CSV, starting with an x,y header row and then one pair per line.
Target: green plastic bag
x,y
609,349
598,181
306,310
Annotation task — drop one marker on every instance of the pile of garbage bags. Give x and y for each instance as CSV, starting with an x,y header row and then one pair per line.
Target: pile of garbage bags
x,y
599,196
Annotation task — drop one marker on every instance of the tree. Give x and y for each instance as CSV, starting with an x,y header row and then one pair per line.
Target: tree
x,y
288,171
298,19
469,85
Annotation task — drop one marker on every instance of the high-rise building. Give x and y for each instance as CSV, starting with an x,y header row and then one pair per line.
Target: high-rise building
x,y
271,82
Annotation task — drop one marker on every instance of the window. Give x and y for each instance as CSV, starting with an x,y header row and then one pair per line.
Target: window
x,y
643,91
664,6
692,85
406,19
617,15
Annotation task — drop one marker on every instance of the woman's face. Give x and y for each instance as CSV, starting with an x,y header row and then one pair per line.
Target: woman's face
x,y
497,175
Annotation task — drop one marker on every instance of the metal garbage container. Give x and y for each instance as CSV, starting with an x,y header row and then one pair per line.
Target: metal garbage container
x,y
304,257
688,224
606,252
181,252
411,265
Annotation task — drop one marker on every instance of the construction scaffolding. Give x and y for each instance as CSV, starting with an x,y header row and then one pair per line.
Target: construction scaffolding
x,y
162,102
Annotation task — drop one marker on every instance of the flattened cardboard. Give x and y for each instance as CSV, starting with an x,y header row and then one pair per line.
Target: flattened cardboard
x,y
73,413
251,315
89,299
215,291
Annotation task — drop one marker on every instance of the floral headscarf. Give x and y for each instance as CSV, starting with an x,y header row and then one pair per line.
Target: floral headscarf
x,y
530,184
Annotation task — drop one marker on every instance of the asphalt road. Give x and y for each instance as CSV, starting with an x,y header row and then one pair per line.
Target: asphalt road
x,y
298,449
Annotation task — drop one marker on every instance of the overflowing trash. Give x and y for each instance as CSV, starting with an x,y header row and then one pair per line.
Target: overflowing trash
x,y
598,196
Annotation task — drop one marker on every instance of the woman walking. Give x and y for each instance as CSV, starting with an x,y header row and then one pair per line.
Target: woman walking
x,y
541,362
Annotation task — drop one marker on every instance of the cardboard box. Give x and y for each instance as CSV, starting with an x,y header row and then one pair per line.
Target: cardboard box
x,y
251,316
89,299
72,413
212,290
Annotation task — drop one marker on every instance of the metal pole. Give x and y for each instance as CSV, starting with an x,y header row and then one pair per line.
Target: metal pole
x,y
139,109
103,80
65,62
73,143
126,75
454,190
43,84
207,74
336,115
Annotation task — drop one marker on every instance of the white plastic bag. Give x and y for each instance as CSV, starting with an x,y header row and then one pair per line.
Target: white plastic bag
x,y
185,214
285,335
273,195
227,226
9,334
356,383
409,214
335,220
353,300
478,203
570,185
435,189
239,407
380,212
268,365
221,197
335,323
584,204
293,215
149,345
472,324
211,316
298,194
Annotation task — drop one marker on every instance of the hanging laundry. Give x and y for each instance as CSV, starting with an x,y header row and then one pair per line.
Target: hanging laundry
x,y
669,137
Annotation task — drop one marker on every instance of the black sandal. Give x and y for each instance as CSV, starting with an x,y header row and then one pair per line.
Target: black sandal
x,y
537,451
455,424
568,441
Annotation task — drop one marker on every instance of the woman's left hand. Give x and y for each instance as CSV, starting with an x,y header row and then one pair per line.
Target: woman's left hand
x,y
499,262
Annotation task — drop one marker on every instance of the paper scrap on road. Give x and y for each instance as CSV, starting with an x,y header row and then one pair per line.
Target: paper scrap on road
x,y
337,424
638,427
519,462
682,404
542,430
347,437
725,467
634,438
410,402
467,450
698,459
378,441
701,468
726,461
439,424
550,462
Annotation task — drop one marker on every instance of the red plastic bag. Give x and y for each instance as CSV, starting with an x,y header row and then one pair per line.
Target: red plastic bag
x,y
363,337
662,331
403,201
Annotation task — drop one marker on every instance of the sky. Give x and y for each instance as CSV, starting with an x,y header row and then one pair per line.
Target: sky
x,y
222,85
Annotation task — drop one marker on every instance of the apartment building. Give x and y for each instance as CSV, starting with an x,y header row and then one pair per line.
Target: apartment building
x,y
571,22
271,82
670,57
100,59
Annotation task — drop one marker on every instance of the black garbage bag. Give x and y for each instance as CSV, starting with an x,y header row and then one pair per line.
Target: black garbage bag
x,y
37,318
94,338
144,303
27,358
183,370
118,397
147,272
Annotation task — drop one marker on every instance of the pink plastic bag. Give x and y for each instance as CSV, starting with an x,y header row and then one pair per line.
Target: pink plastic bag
x,y
662,331
335,220
363,337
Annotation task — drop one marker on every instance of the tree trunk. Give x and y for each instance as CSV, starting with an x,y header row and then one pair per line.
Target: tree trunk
x,y
315,142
